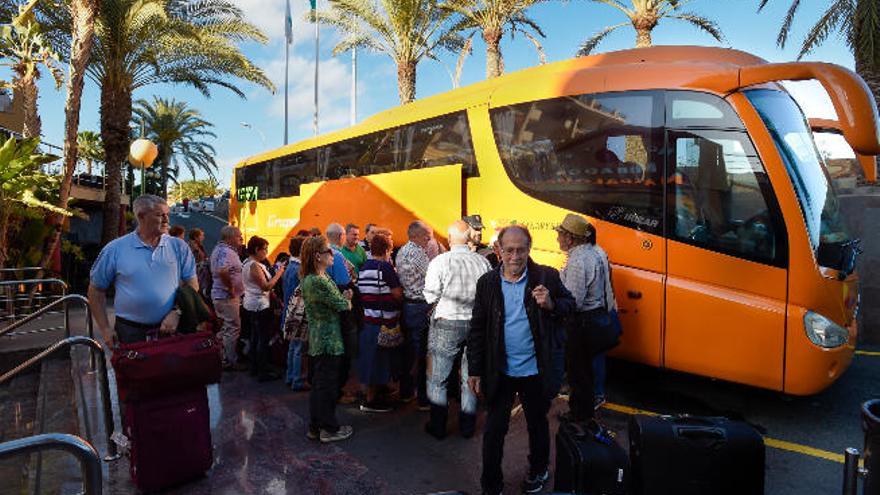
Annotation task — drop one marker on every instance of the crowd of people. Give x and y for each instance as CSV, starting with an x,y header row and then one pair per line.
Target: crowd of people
x,y
422,322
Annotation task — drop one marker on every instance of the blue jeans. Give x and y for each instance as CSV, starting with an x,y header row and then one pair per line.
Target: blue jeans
x,y
599,360
414,320
599,375
294,375
446,341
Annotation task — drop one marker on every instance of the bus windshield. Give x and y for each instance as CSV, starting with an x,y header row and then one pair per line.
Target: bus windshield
x,y
818,200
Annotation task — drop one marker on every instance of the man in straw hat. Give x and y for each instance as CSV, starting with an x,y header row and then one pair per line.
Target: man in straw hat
x,y
584,276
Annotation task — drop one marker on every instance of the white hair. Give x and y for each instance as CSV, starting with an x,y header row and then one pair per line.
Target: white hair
x,y
228,232
145,203
335,232
457,236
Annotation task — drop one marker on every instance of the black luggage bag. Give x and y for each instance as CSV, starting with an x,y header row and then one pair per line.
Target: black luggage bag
x,y
692,455
589,461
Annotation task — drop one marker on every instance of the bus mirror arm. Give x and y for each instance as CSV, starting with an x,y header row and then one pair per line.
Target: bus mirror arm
x,y
851,97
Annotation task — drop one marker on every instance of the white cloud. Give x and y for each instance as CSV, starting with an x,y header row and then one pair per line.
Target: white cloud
x,y
334,82
268,15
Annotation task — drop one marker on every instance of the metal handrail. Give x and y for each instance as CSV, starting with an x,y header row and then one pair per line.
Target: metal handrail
x,y
88,458
103,380
22,269
45,309
35,281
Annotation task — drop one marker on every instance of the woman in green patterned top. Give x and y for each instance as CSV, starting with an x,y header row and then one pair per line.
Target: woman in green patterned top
x,y
323,302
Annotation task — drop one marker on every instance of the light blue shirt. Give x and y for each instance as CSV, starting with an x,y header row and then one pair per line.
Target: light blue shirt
x,y
337,270
518,343
146,278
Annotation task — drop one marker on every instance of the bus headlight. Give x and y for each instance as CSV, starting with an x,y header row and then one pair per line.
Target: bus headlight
x,y
824,332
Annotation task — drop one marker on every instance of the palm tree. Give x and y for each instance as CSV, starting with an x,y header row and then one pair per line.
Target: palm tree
x,y
858,21
405,30
23,184
24,49
644,15
79,17
492,18
143,42
89,148
179,132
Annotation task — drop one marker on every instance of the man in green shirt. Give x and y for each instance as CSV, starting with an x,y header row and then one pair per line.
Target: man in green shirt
x,y
351,249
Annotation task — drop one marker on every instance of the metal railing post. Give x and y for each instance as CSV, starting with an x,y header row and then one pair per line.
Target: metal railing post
x,y
103,381
850,471
45,309
88,458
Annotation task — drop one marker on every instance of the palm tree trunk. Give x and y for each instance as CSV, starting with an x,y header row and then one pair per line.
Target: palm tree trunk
x,y
644,22
83,13
872,78
643,38
406,81
165,164
494,60
5,215
29,92
115,117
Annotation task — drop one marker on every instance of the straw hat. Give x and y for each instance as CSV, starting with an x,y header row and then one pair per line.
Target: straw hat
x,y
575,225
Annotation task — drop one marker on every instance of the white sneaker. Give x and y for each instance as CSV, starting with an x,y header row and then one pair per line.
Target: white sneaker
x,y
344,432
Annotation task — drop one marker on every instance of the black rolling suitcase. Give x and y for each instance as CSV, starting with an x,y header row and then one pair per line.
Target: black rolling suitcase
x,y
692,455
589,461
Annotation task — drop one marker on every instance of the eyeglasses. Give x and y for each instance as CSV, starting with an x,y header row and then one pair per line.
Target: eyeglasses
x,y
326,251
512,251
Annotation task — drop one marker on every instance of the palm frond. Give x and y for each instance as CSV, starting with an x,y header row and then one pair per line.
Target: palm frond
x,y
864,33
590,44
838,15
785,30
701,22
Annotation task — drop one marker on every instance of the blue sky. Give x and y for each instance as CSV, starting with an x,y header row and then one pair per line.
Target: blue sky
x,y
566,23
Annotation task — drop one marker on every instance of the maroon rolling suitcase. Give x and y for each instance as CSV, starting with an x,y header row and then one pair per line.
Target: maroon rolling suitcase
x,y
170,439
167,365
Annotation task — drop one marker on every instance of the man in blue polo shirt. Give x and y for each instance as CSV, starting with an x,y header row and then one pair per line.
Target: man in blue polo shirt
x,y
146,267
510,353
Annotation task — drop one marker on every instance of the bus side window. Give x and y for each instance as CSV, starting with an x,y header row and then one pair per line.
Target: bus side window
x,y
597,154
720,194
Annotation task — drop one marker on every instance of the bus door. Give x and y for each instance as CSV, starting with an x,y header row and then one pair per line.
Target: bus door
x,y
726,249
599,155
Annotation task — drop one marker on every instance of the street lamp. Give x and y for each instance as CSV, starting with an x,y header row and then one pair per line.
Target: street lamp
x,y
247,125
141,154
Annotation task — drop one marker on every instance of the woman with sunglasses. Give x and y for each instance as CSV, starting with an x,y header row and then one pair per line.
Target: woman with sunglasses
x,y
323,302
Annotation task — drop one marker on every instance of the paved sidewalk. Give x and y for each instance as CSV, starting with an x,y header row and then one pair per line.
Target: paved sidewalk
x,y
260,447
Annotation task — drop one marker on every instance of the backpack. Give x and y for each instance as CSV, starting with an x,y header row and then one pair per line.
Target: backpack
x,y
296,327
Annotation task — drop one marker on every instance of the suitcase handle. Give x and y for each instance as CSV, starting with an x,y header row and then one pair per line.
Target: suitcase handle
x,y
700,433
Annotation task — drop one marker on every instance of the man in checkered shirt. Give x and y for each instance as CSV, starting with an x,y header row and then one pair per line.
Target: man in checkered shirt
x,y
451,283
412,264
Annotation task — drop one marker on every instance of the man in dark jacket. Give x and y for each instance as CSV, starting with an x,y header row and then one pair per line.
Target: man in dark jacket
x,y
510,353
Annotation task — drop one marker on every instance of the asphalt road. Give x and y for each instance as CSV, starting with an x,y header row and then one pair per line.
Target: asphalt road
x,y
801,432
829,421
210,224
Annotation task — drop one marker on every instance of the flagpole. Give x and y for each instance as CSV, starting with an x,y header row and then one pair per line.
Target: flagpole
x,y
354,72
317,44
288,39
286,75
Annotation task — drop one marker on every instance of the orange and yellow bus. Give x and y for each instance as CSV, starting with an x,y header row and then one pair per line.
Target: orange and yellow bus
x,y
730,259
